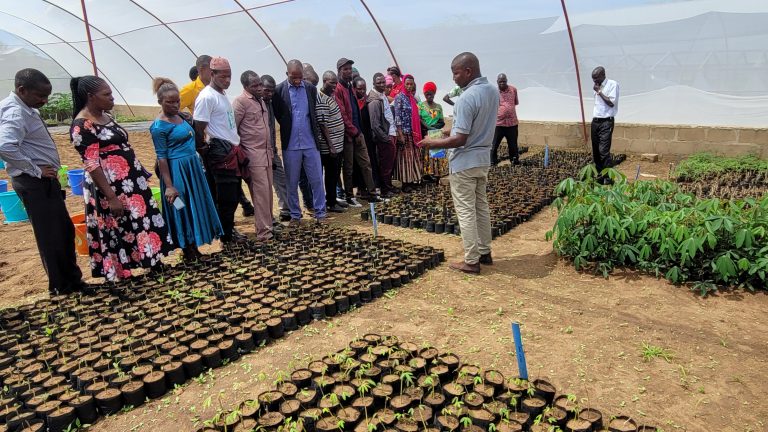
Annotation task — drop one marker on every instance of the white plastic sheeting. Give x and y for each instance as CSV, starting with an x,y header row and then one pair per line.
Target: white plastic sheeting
x,y
702,62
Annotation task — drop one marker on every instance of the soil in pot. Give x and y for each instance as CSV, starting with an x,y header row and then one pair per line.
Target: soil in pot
x,y
109,401
133,393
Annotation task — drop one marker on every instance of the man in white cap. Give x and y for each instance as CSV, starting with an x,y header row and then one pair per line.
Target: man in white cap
x,y
214,115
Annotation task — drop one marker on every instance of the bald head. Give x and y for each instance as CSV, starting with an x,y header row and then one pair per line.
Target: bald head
x,y
329,82
465,68
598,75
295,72
501,80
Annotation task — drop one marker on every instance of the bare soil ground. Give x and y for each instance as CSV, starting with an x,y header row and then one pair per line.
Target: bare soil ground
x,y
583,332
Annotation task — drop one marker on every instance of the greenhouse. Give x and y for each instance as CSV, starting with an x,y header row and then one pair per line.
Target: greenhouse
x,y
368,215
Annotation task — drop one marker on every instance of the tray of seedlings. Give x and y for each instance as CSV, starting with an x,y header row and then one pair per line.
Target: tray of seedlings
x,y
711,176
515,194
504,150
380,383
74,359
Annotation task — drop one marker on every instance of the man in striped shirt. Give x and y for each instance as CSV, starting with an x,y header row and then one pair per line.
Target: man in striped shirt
x,y
331,139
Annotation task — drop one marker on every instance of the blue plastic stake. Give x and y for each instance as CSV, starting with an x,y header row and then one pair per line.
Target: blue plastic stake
x,y
637,175
519,353
375,222
546,155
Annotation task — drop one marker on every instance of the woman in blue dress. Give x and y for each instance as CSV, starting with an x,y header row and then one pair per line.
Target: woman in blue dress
x,y
188,209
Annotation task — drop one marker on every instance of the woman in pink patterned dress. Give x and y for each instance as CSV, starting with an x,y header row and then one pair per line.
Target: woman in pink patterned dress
x,y
125,229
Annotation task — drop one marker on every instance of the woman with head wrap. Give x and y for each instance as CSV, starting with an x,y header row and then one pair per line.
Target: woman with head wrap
x,y
431,114
125,229
408,125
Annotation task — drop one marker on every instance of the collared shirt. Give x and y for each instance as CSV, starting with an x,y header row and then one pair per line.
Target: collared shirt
x,y
25,144
474,115
214,108
301,126
252,120
610,89
329,114
507,112
189,93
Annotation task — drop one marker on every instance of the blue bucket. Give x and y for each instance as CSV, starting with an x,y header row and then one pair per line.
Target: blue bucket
x,y
3,185
76,179
12,207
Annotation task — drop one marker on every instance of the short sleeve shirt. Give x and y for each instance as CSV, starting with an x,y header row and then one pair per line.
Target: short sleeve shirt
x,y
329,114
214,108
474,115
610,89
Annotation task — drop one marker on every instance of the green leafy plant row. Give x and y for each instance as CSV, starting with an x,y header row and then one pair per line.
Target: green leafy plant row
x,y
703,165
652,226
58,108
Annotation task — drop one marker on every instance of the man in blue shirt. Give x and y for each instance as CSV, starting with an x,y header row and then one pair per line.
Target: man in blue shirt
x,y
294,105
469,158
32,162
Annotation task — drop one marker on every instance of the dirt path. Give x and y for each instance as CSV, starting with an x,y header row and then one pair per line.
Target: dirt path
x,y
584,333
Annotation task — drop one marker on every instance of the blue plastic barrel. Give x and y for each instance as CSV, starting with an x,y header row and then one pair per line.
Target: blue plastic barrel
x,y
12,207
76,179
3,185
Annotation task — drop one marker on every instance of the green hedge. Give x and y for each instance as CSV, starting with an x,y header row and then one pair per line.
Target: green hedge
x,y
652,226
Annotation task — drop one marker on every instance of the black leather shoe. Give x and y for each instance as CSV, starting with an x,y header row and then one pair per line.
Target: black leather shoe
x,y
486,259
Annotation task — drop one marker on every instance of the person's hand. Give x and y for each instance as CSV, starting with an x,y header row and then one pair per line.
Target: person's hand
x,y
171,194
596,87
116,207
425,143
360,140
48,172
400,136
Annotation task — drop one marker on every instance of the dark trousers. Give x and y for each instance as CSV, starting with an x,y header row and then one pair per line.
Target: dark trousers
x,y
332,168
54,232
510,133
602,133
227,198
387,151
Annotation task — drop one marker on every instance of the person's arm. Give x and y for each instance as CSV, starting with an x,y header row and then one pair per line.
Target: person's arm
x,y
187,98
87,145
607,98
160,140
202,116
12,131
238,107
453,141
447,99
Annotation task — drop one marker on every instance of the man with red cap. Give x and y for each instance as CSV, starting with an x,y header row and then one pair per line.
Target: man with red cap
x,y
215,117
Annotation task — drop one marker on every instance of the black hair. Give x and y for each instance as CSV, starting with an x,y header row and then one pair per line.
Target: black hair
x,y
376,75
193,73
357,80
31,79
268,79
394,70
81,87
247,76
160,86
203,60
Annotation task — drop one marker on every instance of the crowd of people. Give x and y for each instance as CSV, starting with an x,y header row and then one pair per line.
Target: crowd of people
x,y
340,143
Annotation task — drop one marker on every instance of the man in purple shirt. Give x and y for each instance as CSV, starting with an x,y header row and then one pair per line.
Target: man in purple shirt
x,y
294,107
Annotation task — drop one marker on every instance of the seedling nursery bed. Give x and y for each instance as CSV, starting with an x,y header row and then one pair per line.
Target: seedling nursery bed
x,y
77,358
515,194
380,383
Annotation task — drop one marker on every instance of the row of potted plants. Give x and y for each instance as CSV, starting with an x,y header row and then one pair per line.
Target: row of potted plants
x,y
73,358
381,383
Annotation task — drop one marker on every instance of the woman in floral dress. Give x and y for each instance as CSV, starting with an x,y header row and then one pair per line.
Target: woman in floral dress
x,y
125,229
408,126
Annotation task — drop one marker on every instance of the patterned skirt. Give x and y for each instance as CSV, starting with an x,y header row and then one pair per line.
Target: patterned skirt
x,y
408,162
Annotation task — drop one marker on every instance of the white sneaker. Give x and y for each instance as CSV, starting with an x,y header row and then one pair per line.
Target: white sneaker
x,y
352,202
342,202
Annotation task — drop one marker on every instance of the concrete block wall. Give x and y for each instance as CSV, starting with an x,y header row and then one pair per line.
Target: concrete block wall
x,y
627,138
661,139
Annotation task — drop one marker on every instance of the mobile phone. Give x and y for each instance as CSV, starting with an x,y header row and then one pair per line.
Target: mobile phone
x,y
178,203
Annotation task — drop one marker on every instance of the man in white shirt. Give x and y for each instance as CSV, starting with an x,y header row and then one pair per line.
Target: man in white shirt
x,y
606,107
215,117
